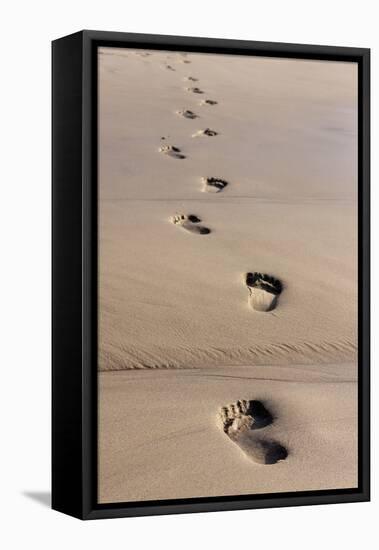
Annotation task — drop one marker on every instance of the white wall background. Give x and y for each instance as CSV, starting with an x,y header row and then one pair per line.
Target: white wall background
x,y
27,29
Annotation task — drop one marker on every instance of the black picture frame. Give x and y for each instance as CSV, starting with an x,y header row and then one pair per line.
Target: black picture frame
x,y
74,272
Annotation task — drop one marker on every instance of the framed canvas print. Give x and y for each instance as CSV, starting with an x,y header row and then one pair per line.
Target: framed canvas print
x,y
210,274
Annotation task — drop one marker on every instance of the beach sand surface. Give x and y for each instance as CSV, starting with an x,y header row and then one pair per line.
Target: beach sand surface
x,y
178,338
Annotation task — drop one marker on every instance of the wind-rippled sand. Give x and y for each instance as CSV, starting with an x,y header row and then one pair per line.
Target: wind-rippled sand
x,y
211,169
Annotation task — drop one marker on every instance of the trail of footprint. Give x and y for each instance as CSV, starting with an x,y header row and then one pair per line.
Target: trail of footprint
x,y
189,223
208,102
240,420
264,291
195,90
186,113
206,132
172,151
214,185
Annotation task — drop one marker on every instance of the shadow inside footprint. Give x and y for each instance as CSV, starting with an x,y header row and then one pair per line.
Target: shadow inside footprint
x,y
261,416
274,451
189,223
194,219
264,291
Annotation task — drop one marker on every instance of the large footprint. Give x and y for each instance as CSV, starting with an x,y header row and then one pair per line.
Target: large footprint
x,y
240,421
189,223
264,291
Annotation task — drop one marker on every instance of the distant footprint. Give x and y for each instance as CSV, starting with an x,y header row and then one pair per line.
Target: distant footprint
x,y
240,421
206,132
208,102
191,78
172,151
195,90
189,223
170,68
214,185
187,113
186,61
264,291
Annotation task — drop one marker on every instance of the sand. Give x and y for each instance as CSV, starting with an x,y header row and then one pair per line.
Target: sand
x,y
161,436
175,250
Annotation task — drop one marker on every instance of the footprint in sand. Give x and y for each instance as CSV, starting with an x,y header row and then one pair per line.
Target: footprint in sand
x,y
264,291
187,113
195,90
240,421
208,102
206,132
186,61
189,223
172,151
170,68
214,185
191,78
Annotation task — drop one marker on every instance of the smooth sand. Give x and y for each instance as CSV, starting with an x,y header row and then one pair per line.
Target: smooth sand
x,y
172,298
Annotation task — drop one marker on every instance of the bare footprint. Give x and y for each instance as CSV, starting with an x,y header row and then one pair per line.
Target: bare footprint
x,y
187,113
191,78
195,90
206,132
189,223
208,102
170,68
171,151
240,421
214,185
264,291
